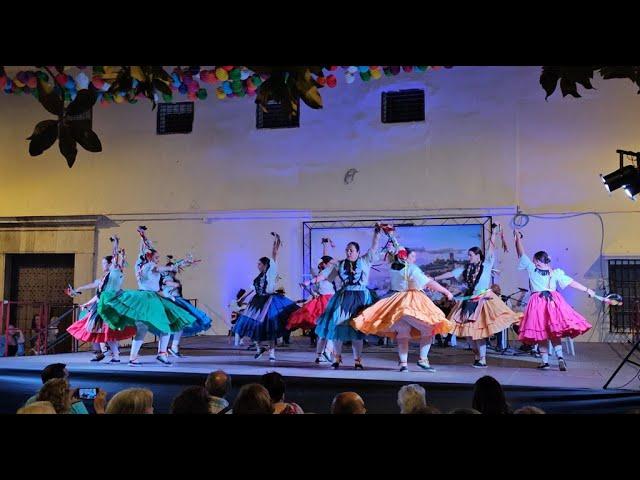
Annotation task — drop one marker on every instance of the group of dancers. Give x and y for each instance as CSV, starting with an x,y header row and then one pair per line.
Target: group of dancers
x,y
405,312
335,315
114,314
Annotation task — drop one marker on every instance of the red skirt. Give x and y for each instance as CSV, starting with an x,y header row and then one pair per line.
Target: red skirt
x,y
105,334
307,315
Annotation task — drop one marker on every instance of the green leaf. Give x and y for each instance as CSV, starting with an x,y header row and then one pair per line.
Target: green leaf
x,y
86,138
67,145
83,102
44,135
49,99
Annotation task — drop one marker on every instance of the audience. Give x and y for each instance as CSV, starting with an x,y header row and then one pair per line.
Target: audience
x,y
464,411
411,398
37,408
428,410
274,383
348,403
57,392
59,370
218,386
488,397
192,401
529,410
135,401
253,399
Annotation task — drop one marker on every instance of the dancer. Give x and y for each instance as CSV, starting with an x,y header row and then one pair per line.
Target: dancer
x,y
407,313
548,316
90,327
148,308
265,317
352,297
172,288
484,314
306,318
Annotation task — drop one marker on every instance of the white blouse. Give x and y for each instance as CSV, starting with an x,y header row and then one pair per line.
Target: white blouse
x,y
540,282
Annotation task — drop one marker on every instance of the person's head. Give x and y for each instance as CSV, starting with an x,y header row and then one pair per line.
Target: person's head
x,y
106,262
464,411
496,289
529,410
131,401
240,293
274,383
411,256
352,251
488,396
154,256
427,410
541,260
348,403
325,260
218,384
263,264
191,401
55,370
253,399
411,397
37,408
475,255
57,392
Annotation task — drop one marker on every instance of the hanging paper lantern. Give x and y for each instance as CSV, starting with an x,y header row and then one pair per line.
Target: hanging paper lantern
x,y
194,70
352,69
201,94
118,99
395,70
251,93
187,80
374,68
257,80
363,69
61,79
72,93
166,97
249,84
21,77
222,74
183,89
193,87
332,81
376,74
97,82
82,81
175,79
234,74
435,68
365,76
191,96
9,86
220,94
422,68
3,81
104,102
321,80
204,76
236,86
241,93
70,82
18,83
387,71
67,96
134,83
228,68
42,76
226,86
407,68
349,77
333,67
244,73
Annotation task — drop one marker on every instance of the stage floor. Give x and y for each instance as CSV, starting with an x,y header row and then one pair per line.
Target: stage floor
x,y
589,369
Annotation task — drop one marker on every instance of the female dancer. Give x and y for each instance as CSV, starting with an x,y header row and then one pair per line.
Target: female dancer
x,y
265,317
307,317
481,317
548,316
147,308
172,288
352,297
407,313
90,327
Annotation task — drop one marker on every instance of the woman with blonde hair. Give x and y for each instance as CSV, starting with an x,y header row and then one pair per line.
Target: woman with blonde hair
x,y
57,392
37,408
135,401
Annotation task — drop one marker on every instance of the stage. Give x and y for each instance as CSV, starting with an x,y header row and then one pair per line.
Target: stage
x,y
313,385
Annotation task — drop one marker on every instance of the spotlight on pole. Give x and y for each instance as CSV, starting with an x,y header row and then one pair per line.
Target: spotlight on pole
x,y
627,176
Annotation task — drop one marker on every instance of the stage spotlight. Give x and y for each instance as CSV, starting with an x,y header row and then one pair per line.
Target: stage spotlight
x,y
621,177
633,189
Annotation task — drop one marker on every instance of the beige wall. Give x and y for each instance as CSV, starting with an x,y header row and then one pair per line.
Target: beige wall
x,y
490,142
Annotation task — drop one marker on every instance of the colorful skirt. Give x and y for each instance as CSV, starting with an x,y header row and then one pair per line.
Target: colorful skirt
x,y
307,316
549,316
489,316
91,328
202,323
265,317
334,323
123,308
409,314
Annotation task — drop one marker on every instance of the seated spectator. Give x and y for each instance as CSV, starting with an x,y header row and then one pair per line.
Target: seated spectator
x,y
59,370
135,401
218,386
253,399
529,410
348,403
464,411
14,337
192,401
411,397
37,408
488,397
274,383
428,410
57,392
634,411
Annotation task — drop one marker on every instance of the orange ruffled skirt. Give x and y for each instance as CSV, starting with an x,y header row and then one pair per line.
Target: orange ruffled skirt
x,y
491,316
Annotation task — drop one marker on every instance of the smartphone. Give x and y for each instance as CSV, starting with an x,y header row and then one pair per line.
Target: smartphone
x,y
87,393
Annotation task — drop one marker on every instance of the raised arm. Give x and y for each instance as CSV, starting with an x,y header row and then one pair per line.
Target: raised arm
x,y
88,286
326,243
436,287
582,288
276,246
444,276
373,251
491,253
519,245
